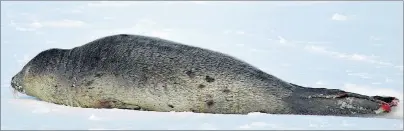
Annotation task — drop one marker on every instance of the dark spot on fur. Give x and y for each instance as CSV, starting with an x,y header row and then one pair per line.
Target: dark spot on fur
x,y
228,99
190,74
105,49
56,86
97,58
113,60
262,111
201,86
192,110
171,58
210,103
226,90
90,87
88,83
98,75
136,108
209,79
171,106
106,103
73,85
176,83
116,74
93,65
143,78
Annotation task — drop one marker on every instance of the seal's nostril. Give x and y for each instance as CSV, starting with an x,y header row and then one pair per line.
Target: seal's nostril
x,y
12,84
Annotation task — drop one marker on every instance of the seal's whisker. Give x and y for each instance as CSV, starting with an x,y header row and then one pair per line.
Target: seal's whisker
x,y
15,93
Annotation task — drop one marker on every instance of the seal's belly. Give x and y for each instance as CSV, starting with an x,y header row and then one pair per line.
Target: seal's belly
x,y
156,93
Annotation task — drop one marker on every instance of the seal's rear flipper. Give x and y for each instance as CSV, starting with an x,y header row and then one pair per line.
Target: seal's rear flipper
x,y
392,101
308,92
387,103
333,99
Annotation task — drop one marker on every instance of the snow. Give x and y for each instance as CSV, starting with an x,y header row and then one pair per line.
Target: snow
x,y
26,112
354,50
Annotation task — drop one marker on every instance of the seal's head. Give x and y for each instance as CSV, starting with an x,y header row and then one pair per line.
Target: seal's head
x,y
16,82
41,66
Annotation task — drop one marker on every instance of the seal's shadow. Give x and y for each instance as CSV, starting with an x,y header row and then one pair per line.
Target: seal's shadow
x,y
26,97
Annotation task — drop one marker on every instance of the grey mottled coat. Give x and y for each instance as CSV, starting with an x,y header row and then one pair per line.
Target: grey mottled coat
x,y
139,72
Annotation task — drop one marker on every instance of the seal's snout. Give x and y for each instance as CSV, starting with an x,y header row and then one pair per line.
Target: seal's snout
x,y
16,85
13,83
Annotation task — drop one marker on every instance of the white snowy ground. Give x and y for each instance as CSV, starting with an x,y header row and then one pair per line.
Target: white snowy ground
x,y
354,46
29,113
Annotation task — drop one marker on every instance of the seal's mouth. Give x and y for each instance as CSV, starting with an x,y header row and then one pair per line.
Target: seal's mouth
x,y
16,87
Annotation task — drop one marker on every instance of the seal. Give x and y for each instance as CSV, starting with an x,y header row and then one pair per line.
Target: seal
x,y
147,73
